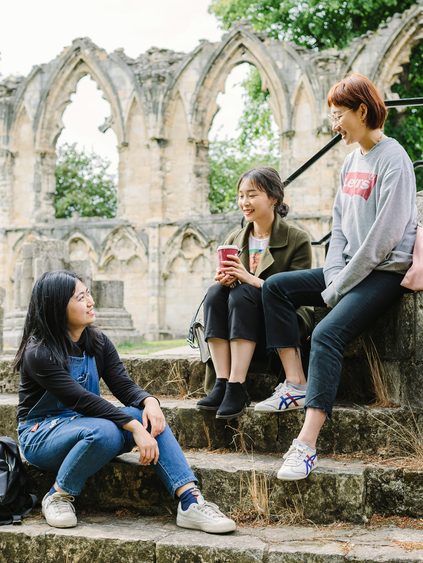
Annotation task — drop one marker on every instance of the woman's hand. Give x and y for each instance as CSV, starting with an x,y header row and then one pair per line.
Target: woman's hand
x,y
235,269
224,279
146,444
154,416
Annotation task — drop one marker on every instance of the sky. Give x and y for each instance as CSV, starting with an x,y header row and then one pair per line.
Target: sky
x,y
35,31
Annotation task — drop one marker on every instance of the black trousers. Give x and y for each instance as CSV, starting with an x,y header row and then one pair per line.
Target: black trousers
x,y
235,313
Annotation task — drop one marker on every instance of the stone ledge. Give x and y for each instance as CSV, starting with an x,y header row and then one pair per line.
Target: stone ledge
x,y
349,491
352,429
184,377
158,540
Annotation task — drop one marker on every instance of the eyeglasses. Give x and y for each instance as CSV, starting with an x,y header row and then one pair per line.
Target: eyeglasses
x,y
334,119
83,296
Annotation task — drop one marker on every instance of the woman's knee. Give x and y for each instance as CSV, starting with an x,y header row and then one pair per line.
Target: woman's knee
x,y
244,295
215,294
278,284
326,336
105,436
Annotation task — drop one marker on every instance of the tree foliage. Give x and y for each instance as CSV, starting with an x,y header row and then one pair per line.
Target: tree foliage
x,y
84,185
257,144
310,23
227,162
407,125
321,24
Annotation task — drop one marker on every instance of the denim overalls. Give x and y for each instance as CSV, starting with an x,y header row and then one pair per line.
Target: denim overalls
x,y
56,438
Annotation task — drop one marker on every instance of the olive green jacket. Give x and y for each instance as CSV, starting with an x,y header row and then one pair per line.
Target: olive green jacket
x,y
289,249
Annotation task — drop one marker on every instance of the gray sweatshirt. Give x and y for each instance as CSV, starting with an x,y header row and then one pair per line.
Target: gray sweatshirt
x,y
374,218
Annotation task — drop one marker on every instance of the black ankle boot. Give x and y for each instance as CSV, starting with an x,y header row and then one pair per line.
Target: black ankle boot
x,y
215,397
234,402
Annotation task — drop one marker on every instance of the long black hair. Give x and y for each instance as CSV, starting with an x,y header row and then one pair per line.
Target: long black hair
x,y
267,180
46,321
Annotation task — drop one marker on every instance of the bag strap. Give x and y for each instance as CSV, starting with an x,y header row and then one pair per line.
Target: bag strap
x,y
194,318
191,335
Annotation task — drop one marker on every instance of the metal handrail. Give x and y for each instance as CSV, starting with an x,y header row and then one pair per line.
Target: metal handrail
x,y
388,103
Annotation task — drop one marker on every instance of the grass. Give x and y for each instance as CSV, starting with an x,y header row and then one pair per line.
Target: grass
x,y
148,347
377,373
407,441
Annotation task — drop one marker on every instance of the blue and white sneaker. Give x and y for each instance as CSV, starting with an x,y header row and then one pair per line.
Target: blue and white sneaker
x,y
284,397
300,460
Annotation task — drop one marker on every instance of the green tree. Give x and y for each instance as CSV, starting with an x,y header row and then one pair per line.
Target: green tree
x,y
227,162
257,143
406,125
320,24
311,23
84,185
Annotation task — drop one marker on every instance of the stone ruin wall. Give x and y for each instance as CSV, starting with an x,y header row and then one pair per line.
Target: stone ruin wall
x,y
153,262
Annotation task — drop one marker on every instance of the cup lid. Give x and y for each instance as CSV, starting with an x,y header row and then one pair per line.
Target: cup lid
x,y
222,246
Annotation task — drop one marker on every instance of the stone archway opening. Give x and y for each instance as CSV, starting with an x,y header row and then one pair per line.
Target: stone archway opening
x,y
406,124
87,156
243,134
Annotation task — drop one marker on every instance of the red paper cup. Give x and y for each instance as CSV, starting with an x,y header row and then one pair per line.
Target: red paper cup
x,y
224,251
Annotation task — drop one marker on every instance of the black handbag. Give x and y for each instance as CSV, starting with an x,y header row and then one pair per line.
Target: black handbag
x,y
195,336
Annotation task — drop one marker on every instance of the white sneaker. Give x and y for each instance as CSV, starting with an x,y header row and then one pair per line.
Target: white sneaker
x,y
300,460
58,510
284,397
204,516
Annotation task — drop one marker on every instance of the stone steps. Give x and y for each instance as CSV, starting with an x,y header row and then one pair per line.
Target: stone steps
x,y
244,484
377,431
347,489
178,376
110,539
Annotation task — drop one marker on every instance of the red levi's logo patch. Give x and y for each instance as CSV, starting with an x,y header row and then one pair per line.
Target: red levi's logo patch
x,y
359,183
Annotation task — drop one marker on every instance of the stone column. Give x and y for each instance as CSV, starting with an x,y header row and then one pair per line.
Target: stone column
x,y
201,171
6,168
44,186
158,172
154,281
2,296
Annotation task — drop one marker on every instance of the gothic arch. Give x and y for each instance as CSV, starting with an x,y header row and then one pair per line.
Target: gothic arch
x,y
304,89
81,59
123,246
397,52
239,47
401,34
187,244
80,247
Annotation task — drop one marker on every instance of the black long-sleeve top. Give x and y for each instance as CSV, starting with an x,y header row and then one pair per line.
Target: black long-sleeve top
x,y
40,373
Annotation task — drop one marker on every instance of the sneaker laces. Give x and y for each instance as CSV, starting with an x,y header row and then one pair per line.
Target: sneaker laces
x,y
279,389
210,509
295,453
62,502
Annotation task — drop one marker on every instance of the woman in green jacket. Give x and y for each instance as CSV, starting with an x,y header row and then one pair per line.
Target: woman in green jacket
x,y
233,311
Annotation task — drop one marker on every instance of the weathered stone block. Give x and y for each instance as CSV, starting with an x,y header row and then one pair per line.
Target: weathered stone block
x,y
395,491
418,297
9,379
206,549
108,294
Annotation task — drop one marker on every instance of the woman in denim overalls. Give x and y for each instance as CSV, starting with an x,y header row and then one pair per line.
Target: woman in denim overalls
x,y
65,425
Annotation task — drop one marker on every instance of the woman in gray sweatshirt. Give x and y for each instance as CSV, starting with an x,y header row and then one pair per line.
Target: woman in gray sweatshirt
x,y
373,234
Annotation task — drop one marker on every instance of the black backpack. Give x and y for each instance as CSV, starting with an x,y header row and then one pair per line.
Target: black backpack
x,y
15,501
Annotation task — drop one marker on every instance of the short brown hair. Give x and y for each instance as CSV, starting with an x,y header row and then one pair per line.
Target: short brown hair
x,y
357,89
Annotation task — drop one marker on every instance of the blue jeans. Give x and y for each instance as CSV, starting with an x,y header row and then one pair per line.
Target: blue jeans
x,y
76,447
355,312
